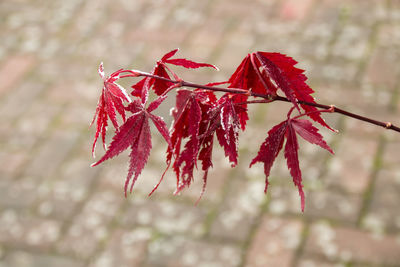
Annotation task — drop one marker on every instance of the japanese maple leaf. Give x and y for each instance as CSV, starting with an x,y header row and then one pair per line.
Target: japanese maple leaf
x,y
228,133
161,69
247,77
187,117
111,100
205,156
265,73
207,127
273,144
221,118
291,80
135,133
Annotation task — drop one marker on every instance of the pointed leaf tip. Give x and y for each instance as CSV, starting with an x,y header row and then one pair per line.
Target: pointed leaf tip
x,y
186,63
169,54
308,132
101,70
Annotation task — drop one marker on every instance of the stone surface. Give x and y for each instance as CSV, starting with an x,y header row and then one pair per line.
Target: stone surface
x,y
181,251
274,243
57,211
352,245
26,259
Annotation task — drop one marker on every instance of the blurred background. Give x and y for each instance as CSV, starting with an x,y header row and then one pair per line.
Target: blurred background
x,y
57,211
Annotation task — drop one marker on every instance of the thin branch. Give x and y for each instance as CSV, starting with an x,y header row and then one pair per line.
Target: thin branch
x,y
268,98
387,125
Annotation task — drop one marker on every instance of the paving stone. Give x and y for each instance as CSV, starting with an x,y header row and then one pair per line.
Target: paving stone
x,y
11,163
352,43
166,216
68,189
381,69
13,70
386,194
333,205
389,157
90,226
337,71
274,243
388,36
316,262
23,230
20,194
55,150
27,259
179,251
12,108
348,244
295,10
236,216
124,248
351,167
204,41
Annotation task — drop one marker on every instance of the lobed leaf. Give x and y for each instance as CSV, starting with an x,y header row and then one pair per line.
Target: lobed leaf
x,y
110,101
135,133
292,160
189,64
273,144
309,133
291,81
270,149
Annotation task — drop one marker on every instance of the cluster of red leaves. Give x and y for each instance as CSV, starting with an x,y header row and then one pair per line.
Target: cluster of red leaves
x,y
199,115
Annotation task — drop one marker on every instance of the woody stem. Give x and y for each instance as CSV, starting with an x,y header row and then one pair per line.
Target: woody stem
x,y
270,98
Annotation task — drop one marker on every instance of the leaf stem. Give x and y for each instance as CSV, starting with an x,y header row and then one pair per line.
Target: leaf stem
x,y
268,97
386,125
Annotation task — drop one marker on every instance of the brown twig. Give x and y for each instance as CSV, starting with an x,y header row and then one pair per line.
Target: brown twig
x,y
268,98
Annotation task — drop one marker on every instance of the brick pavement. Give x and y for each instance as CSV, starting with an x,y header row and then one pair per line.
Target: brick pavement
x,y
57,211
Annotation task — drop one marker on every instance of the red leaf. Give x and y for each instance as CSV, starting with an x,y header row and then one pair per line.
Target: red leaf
x,y
162,128
189,127
186,125
292,160
241,110
101,124
161,86
189,64
135,133
208,125
139,154
309,133
124,138
135,106
137,87
161,69
246,77
221,118
216,83
156,103
228,133
284,75
169,55
291,81
273,144
205,156
111,99
117,91
182,98
270,149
